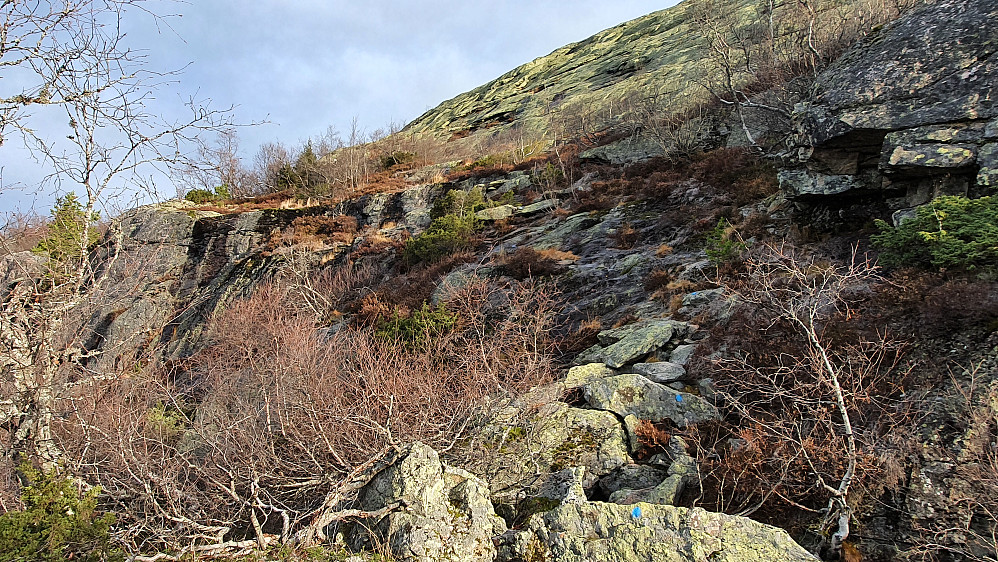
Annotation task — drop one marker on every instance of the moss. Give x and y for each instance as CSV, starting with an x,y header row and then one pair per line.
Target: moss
x,y
564,455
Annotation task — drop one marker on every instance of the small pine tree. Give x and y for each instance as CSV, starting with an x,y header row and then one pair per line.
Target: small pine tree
x,y
949,232
70,232
58,523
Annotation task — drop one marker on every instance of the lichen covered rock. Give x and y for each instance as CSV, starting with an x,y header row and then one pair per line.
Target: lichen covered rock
x,y
582,532
634,394
628,344
443,514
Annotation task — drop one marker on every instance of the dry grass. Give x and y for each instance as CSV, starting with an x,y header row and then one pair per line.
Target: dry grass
x,y
527,262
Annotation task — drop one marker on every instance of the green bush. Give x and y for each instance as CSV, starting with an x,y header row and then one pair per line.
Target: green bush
x,y
722,246
445,236
458,202
204,196
397,158
949,232
58,523
548,177
420,327
200,196
65,243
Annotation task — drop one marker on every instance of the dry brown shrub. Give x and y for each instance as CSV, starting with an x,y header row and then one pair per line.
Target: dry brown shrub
x,y
663,251
376,244
527,262
250,435
21,231
625,237
739,172
814,416
675,304
581,338
653,437
657,279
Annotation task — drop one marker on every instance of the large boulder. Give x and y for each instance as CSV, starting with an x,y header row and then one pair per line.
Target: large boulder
x,y
582,532
632,394
520,452
935,65
443,514
632,343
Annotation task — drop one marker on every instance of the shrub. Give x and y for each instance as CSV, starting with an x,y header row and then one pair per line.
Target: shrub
x,y
70,233
458,202
317,231
205,196
527,262
397,159
723,243
625,237
57,524
741,173
418,328
548,177
949,232
445,236
279,397
657,279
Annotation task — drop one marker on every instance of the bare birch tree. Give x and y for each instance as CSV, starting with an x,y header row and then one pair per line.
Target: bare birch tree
x,y
822,402
72,55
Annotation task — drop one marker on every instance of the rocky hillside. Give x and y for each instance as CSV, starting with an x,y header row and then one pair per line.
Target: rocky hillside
x,y
661,49
586,358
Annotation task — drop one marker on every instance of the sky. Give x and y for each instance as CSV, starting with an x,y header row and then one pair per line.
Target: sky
x,y
306,65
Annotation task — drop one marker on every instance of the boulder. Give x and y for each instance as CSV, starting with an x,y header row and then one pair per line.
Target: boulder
x,y
545,493
626,151
682,354
913,73
496,213
634,394
902,117
581,374
583,532
538,207
662,372
555,437
987,159
664,493
628,344
443,514
516,181
632,476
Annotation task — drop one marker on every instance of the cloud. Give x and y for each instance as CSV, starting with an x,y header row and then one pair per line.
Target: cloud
x,y
309,64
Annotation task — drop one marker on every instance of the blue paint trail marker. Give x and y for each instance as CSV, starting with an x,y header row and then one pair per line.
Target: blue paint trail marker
x,y
679,398
636,513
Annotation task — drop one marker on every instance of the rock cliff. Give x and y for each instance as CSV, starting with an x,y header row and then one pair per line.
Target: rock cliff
x,y
905,116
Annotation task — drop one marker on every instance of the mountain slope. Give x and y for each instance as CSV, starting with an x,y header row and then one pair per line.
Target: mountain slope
x,y
662,51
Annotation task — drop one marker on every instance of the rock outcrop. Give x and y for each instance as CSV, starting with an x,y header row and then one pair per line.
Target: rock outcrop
x,y
176,265
441,513
904,116
652,52
645,532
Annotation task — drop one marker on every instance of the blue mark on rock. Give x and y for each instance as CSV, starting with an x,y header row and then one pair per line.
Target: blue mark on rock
x,y
679,398
636,513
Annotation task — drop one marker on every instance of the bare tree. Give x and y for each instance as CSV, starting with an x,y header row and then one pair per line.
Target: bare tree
x,y
821,405
75,53
219,165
